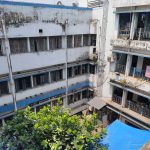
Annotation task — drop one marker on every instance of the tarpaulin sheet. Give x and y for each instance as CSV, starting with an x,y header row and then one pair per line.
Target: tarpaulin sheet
x,y
123,137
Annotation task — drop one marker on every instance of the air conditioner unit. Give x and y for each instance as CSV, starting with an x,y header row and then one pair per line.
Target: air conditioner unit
x,y
111,58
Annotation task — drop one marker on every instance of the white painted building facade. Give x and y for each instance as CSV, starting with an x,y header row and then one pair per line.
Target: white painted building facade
x,y
127,56
40,42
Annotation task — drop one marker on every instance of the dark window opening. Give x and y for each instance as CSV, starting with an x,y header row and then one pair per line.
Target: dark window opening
x,y
77,97
84,94
22,83
125,20
92,69
69,41
77,70
93,40
55,42
41,79
38,44
56,75
85,69
4,88
86,41
70,99
18,45
70,72
77,40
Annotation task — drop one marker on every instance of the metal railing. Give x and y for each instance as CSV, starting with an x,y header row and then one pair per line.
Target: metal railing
x,y
120,68
117,99
140,34
144,111
125,34
138,73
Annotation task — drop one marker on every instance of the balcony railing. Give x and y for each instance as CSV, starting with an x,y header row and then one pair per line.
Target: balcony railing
x,y
139,109
124,34
117,99
140,34
120,68
138,73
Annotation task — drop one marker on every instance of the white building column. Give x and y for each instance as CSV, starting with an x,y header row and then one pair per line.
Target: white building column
x,y
128,65
124,98
28,44
133,25
32,84
140,62
116,30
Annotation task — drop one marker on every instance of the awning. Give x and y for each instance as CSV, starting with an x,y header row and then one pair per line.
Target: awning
x,y
97,103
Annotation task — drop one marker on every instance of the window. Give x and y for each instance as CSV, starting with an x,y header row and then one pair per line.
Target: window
x,y
70,72
55,42
93,40
41,79
70,99
84,94
91,94
56,75
1,48
77,40
3,88
22,83
77,70
92,69
69,41
85,69
77,96
38,44
18,45
86,41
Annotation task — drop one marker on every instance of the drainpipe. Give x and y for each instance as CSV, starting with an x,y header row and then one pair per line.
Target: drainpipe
x,y
66,50
7,50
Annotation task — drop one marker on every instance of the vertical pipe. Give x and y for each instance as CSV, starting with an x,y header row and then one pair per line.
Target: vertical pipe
x,y
66,50
7,49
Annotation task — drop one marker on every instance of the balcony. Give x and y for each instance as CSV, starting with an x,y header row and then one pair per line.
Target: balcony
x,y
134,44
143,110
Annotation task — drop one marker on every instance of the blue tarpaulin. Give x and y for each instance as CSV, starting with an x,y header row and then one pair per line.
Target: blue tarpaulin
x,y
123,137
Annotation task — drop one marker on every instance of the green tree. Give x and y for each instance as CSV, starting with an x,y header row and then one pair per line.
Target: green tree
x,y
50,129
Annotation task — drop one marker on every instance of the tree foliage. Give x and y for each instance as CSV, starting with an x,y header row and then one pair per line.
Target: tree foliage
x,y
50,129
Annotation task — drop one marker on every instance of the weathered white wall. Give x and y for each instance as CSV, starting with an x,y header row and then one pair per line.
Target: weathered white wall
x,y
109,34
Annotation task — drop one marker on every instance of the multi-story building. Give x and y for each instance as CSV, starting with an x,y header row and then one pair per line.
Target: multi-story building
x,y
128,56
47,51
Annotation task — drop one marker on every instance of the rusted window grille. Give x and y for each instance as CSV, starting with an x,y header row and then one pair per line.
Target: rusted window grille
x,y
22,83
56,75
55,42
41,79
3,88
18,45
38,44
77,40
